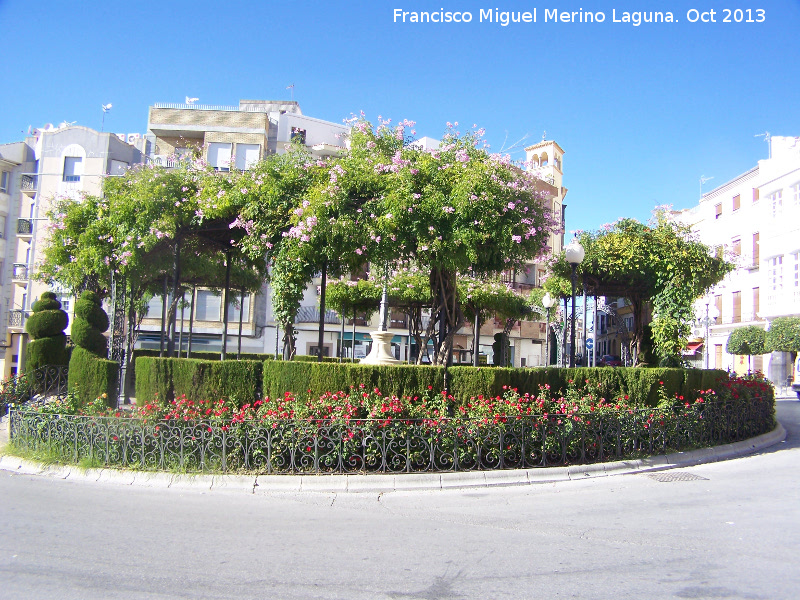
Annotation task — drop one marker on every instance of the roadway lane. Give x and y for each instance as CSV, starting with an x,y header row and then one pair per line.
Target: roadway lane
x,y
723,530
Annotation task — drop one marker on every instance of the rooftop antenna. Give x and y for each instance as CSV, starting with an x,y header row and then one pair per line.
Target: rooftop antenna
x,y
515,144
703,179
106,108
767,137
544,135
291,87
191,101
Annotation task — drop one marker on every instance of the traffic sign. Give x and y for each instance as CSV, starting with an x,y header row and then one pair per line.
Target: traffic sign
x,y
590,343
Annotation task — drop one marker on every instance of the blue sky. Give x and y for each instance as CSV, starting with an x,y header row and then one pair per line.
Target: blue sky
x,y
641,112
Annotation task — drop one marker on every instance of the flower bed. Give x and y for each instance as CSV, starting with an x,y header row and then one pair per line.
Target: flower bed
x,y
363,431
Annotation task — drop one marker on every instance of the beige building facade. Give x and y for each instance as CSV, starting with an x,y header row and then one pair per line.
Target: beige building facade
x,y
65,161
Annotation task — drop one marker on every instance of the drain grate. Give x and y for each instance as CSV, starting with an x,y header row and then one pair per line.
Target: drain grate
x,y
670,476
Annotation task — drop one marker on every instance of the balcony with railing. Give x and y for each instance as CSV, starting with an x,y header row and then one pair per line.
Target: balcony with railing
x,y
24,227
310,314
21,272
29,183
170,161
16,318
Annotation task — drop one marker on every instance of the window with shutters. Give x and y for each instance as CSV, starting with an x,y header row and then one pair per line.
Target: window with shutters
x,y
756,303
219,156
207,306
247,155
776,199
756,250
737,307
73,168
737,202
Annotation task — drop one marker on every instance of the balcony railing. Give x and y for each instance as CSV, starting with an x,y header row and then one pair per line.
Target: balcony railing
x,y
169,161
29,183
16,318
310,314
24,227
20,271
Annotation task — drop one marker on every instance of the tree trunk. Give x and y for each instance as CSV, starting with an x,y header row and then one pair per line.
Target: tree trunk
x,y
448,311
173,309
289,348
321,333
638,327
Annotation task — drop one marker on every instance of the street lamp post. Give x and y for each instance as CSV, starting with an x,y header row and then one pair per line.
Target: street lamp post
x,y
547,302
575,254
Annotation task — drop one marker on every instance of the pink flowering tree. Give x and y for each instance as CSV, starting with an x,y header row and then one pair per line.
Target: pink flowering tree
x,y
449,210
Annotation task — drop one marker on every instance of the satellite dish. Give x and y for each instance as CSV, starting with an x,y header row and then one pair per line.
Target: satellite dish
x,y
48,127
107,107
191,100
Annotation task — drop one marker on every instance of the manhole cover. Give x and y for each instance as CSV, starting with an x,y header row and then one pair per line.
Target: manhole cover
x,y
669,476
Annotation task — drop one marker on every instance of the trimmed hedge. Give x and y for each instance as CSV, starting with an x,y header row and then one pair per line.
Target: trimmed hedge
x,y
245,381
166,378
206,355
641,385
318,378
93,376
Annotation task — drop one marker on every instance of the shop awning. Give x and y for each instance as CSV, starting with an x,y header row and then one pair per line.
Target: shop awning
x,y
692,348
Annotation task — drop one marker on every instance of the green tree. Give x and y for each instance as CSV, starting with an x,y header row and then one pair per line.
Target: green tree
x,y
747,341
660,263
783,335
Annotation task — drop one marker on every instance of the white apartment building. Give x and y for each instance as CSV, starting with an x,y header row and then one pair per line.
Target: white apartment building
x,y
755,220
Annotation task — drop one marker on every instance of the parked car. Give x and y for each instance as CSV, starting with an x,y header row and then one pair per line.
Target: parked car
x,y
609,361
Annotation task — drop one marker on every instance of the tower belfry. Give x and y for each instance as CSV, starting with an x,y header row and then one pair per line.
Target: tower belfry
x,y
547,159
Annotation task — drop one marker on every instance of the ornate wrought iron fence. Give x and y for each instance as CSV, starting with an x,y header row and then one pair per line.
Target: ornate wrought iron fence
x,y
386,446
39,384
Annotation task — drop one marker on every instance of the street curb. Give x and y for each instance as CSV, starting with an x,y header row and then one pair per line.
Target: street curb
x,y
387,482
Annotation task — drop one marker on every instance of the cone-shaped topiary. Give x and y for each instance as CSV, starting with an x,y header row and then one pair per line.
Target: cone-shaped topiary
x,y
48,345
90,323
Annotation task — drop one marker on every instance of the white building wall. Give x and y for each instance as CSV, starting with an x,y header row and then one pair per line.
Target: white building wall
x,y
755,220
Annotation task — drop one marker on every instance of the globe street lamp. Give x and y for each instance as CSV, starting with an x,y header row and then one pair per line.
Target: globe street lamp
x,y
575,254
547,302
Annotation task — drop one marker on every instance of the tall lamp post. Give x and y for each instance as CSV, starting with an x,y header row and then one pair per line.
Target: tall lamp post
x,y
547,301
575,254
711,317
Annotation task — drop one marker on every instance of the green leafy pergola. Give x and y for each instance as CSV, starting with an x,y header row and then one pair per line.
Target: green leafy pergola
x,y
660,263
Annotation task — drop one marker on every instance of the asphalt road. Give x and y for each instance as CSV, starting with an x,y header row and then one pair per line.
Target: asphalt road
x,y
726,530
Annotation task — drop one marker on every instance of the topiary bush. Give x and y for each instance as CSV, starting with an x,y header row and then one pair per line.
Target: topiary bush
x,y
91,321
46,327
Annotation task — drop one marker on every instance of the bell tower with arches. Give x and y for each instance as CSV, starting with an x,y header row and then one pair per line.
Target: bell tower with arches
x,y
546,159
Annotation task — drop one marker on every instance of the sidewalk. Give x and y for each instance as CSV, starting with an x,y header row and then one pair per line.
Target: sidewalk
x,y
386,482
